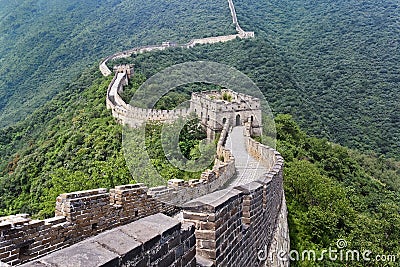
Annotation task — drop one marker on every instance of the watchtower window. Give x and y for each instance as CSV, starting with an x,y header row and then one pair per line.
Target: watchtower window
x,y
252,118
208,117
238,120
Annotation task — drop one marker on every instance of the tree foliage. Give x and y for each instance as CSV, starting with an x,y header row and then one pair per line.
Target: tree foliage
x,y
333,193
45,45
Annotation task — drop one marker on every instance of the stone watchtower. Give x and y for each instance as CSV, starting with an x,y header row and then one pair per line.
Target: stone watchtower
x,y
214,108
126,68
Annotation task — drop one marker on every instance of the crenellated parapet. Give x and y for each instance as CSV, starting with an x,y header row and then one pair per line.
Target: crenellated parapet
x,y
215,108
79,215
127,114
156,240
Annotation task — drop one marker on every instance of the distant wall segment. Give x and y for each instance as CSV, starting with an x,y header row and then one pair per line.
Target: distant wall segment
x,y
241,34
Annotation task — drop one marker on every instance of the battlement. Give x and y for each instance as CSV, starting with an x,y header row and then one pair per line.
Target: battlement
x,y
233,224
226,99
213,108
128,69
79,215
254,214
156,240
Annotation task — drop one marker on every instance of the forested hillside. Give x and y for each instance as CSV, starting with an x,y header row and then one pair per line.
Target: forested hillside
x,y
73,143
44,45
344,56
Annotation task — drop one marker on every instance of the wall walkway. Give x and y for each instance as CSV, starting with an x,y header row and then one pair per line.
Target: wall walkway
x,y
248,169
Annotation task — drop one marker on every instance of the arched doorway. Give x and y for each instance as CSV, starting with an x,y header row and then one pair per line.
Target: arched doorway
x,y
238,120
223,121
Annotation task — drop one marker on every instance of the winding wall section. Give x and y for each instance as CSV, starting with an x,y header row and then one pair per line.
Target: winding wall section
x,y
209,40
228,227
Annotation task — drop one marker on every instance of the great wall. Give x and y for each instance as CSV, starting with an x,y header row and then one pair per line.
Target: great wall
x,y
209,40
233,215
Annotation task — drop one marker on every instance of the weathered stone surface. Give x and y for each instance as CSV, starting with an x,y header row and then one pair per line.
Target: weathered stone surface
x,y
87,253
141,243
212,202
250,187
243,224
120,243
203,262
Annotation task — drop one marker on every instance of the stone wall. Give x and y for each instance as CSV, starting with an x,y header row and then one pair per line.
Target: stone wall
x,y
80,215
241,34
157,240
280,240
134,116
179,191
214,112
233,225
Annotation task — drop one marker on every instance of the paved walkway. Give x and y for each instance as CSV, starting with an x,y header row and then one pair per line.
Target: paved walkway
x,y
248,168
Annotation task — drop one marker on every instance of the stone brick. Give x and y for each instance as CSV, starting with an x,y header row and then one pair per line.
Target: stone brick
x,y
167,260
188,256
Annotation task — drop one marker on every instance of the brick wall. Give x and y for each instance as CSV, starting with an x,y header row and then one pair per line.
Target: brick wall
x,y
234,225
157,240
83,214
78,215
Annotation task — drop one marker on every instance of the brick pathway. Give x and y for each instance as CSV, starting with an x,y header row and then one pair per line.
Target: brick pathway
x,y
248,168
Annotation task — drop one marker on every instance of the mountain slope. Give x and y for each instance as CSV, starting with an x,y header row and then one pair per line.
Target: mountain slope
x,y
344,57
44,45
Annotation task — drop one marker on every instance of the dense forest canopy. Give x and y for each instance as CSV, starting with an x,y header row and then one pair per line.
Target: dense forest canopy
x,y
344,56
44,45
